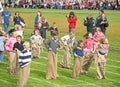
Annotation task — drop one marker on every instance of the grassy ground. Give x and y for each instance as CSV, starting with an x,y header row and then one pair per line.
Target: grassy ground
x,y
38,66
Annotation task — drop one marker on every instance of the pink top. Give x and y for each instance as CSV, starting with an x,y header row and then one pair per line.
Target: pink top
x,y
98,35
89,43
10,44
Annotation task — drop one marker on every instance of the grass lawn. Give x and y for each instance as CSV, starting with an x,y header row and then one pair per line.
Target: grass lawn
x,y
38,66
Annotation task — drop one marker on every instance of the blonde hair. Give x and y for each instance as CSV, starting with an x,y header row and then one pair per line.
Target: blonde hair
x,y
26,43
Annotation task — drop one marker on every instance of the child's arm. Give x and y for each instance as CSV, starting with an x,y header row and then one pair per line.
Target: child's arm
x,y
20,58
48,45
31,40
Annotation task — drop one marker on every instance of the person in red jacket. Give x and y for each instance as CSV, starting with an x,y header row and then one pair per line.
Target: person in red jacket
x,y
72,19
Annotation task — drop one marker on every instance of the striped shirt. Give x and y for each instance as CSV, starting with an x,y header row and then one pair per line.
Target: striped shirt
x,y
24,58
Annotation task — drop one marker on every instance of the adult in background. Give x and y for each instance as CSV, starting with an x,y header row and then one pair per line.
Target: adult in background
x,y
1,7
89,22
37,20
101,21
18,21
6,15
72,19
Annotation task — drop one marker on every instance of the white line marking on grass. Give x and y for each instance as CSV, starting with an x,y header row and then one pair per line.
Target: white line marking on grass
x,y
91,67
115,81
108,71
86,83
5,81
113,60
55,85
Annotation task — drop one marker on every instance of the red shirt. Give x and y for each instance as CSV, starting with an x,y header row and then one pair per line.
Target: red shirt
x,y
72,21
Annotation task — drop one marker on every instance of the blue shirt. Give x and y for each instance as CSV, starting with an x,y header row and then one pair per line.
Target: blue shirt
x,y
6,16
2,39
78,52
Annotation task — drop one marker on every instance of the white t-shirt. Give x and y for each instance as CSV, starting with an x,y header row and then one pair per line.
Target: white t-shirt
x,y
1,7
36,39
66,40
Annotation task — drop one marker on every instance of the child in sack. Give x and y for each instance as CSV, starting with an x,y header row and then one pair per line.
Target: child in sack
x,y
100,58
18,47
89,45
36,44
78,59
67,41
11,53
24,61
52,46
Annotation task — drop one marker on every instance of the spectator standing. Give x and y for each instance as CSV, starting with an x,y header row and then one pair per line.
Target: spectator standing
x,y
89,22
37,20
72,19
6,15
53,28
101,21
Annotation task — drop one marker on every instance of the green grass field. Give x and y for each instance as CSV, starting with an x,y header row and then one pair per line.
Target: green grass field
x,y
38,66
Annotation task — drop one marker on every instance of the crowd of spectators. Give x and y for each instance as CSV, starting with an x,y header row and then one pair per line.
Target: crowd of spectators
x,y
66,4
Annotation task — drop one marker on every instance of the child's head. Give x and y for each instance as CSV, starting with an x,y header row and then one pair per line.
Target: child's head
x,y
101,12
19,38
26,45
89,16
37,32
71,34
71,14
55,35
88,35
16,13
103,40
98,29
43,19
80,43
54,24
12,33
39,13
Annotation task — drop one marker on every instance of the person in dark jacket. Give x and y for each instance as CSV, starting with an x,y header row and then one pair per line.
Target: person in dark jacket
x,y
17,19
101,21
44,26
89,22
53,28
